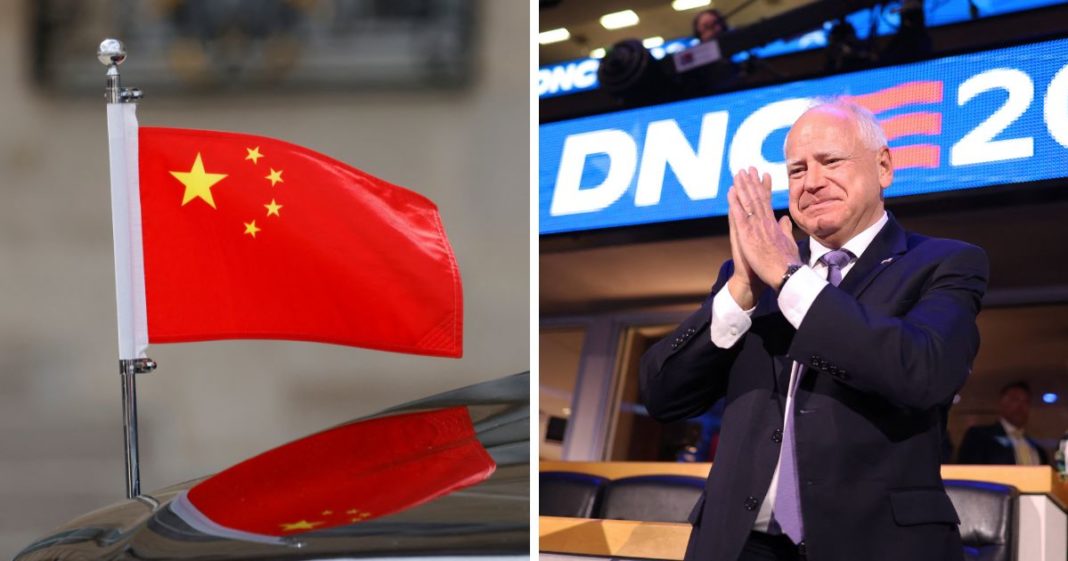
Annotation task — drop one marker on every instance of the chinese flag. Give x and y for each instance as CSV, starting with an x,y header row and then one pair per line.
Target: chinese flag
x,y
347,475
246,237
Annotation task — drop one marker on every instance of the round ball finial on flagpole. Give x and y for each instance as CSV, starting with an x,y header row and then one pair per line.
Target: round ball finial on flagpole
x,y
111,51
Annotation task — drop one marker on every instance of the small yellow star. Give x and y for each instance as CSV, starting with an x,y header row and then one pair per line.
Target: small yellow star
x,y
274,177
251,229
272,209
253,154
327,512
355,520
300,525
365,514
197,182
352,511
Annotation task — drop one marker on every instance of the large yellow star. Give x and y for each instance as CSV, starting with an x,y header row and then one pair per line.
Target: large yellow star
x,y
251,229
253,154
198,183
274,177
300,525
272,209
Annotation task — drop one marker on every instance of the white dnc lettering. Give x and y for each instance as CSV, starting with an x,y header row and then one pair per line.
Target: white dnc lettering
x,y
566,77
698,171
622,154
747,145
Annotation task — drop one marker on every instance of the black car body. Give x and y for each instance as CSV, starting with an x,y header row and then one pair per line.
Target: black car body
x,y
489,519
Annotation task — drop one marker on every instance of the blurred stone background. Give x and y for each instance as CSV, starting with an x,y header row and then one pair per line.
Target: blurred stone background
x,y
213,404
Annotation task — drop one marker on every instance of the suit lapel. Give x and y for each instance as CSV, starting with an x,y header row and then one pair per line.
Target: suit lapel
x,y
767,313
783,364
889,244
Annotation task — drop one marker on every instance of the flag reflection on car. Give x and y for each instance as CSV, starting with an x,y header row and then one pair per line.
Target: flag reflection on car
x,y
447,475
347,475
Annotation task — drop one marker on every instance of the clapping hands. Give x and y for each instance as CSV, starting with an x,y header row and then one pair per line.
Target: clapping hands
x,y
762,248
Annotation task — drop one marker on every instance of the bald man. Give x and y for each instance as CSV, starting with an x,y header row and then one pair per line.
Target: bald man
x,y
838,356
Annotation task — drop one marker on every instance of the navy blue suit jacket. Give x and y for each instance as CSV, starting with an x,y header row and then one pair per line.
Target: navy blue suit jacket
x,y
884,353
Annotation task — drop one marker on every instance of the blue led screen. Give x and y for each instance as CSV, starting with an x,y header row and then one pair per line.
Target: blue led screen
x,y
963,122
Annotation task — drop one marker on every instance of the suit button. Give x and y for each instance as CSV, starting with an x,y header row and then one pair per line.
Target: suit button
x,y
691,331
776,436
751,503
675,345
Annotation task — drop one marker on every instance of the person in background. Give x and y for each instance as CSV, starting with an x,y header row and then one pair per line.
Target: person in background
x,y
708,25
1004,442
723,74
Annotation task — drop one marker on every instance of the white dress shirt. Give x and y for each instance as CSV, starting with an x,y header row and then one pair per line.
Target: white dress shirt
x,y
730,322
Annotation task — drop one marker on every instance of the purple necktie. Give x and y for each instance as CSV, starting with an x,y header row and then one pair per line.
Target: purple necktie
x,y
787,508
835,260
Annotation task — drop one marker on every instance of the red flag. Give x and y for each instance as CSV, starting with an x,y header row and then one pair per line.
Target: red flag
x,y
343,476
247,237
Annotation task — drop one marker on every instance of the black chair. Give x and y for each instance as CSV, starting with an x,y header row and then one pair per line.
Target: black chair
x,y
651,498
564,493
989,519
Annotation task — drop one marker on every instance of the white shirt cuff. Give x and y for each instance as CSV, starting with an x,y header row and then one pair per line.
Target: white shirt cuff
x,y
729,320
798,294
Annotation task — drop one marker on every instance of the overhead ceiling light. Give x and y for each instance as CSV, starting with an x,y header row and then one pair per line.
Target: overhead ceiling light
x,y
619,20
680,5
553,36
597,53
651,42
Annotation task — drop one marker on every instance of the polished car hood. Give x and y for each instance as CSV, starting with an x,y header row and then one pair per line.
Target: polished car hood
x,y
487,516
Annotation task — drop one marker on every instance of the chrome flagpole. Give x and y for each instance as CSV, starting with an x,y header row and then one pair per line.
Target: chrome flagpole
x,y
129,265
